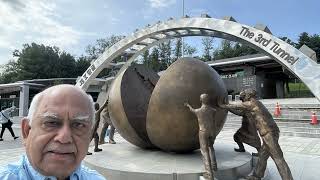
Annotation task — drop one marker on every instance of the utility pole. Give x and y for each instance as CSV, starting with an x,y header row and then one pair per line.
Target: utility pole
x,y
182,49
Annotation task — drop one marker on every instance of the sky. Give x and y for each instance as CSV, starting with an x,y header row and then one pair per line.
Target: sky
x,y
72,25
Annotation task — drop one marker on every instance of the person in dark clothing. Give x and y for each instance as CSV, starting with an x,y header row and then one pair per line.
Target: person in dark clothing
x,y
5,115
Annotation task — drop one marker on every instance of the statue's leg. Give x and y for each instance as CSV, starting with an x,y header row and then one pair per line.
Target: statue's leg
x,y
237,139
254,142
103,133
96,142
111,135
277,155
263,156
204,148
212,154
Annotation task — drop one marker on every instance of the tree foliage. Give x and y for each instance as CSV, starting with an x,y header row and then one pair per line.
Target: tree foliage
x,y
164,54
94,51
36,61
312,41
229,49
9,72
207,43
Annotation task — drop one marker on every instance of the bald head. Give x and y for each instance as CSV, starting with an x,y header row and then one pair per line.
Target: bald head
x,y
62,94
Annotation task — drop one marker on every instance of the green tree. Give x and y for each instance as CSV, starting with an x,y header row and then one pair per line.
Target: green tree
x,y
312,41
36,61
66,66
289,41
41,62
82,64
153,61
164,55
94,51
207,43
189,50
303,39
9,72
145,57
315,44
229,49
177,49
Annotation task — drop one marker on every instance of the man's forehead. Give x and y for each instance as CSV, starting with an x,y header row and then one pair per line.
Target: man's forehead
x,y
61,97
63,107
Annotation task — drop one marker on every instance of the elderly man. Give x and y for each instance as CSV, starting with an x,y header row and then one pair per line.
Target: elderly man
x,y
56,135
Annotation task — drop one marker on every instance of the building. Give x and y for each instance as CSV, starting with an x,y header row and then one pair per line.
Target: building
x,y
21,93
258,71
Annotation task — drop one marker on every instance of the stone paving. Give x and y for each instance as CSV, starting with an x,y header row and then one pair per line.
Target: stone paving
x,y
301,153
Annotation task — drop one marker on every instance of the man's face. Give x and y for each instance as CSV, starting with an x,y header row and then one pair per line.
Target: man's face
x,y
60,133
242,96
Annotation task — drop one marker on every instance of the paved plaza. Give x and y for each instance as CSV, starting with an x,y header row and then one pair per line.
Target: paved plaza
x,y
301,153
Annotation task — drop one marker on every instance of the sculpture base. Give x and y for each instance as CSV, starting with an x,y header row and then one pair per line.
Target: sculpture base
x,y
123,161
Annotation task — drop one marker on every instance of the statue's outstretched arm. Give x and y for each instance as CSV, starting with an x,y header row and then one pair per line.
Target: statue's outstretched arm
x,y
190,107
237,112
236,107
105,104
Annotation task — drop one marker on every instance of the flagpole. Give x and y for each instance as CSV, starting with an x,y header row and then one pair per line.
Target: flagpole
x,y
182,49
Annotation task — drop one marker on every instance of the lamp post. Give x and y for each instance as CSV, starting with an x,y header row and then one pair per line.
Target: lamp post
x,y
182,49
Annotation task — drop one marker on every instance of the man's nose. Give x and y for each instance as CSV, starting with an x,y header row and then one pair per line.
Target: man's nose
x,y
64,135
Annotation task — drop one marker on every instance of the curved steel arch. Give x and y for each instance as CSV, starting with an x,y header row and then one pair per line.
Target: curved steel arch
x,y
294,60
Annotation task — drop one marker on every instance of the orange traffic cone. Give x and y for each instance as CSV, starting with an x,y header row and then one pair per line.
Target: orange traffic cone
x,y
314,119
277,111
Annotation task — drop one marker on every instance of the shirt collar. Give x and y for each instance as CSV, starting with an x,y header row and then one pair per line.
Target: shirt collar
x,y
34,174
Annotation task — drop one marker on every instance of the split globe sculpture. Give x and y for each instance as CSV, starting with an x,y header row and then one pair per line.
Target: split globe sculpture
x,y
149,110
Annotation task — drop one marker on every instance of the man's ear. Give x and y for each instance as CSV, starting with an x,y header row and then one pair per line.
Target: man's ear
x,y
25,129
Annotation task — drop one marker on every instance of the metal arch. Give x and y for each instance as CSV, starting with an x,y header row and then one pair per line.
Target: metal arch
x,y
304,68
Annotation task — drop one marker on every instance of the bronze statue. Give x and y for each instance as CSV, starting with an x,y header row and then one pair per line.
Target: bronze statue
x,y
106,123
247,133
207,135
260,117
95,135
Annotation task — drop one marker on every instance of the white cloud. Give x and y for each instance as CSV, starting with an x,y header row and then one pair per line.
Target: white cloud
x,y
161,3
114,20
33,21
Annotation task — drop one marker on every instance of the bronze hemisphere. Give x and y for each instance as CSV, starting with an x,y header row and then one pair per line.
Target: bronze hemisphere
x,y
128,103
170,125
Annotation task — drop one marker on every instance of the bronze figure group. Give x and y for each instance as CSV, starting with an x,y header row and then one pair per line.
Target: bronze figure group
x,y
257,122
260,118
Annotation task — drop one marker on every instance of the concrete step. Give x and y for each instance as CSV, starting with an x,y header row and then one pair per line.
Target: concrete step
x,y
300,129
282,124
287,131
300,134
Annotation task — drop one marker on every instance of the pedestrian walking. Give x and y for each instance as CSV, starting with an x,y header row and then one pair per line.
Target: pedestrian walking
x,y
6,121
